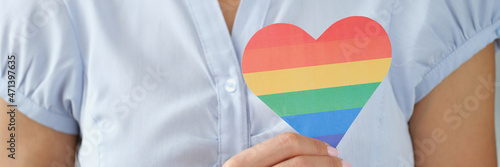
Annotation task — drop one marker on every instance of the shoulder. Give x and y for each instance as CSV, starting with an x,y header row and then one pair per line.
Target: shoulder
x,y
432,38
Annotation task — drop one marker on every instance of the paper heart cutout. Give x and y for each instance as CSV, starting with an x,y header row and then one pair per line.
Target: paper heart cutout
x,y
318,86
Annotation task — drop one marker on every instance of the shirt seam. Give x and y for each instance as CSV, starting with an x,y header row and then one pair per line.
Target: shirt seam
x,y
202,41
268,6
33,102
32,114
78,45
243,100
249,122
75,36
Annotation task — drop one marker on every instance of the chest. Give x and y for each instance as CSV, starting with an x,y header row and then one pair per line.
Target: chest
x,y
181,65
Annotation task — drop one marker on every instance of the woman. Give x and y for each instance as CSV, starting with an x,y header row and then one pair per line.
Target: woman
x,y
158,83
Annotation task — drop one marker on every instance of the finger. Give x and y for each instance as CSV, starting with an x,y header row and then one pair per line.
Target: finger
x,y
281,148
312,161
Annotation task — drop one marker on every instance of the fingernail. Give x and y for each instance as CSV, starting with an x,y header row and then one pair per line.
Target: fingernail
x,y
346,164
332,151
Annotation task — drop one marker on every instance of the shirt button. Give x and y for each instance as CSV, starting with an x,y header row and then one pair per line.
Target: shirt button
x,y
231,85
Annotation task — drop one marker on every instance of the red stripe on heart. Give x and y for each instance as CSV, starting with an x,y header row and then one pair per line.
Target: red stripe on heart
x,y
281,34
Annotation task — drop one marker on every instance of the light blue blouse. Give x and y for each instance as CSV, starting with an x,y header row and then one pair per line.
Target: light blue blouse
x,y
158,83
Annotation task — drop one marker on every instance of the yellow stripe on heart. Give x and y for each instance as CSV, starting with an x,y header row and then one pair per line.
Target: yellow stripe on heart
x,y
318,77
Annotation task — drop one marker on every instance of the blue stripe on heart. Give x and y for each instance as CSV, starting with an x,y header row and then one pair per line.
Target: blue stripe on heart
x,y
330,125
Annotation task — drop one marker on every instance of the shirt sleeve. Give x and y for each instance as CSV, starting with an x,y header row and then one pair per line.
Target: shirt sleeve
x,y
432,38
48,66
460,30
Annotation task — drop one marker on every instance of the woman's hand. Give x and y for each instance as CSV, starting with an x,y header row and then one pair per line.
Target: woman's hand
x,y
289,149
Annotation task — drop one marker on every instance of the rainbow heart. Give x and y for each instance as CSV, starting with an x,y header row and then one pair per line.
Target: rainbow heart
x,y
318,86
